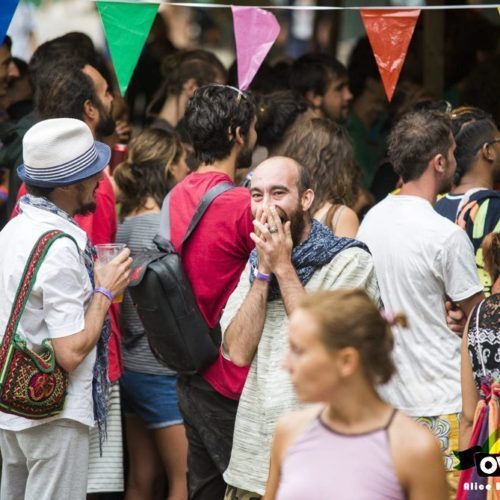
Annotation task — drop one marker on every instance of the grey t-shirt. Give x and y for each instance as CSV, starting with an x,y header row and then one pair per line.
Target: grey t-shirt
x,y
137,233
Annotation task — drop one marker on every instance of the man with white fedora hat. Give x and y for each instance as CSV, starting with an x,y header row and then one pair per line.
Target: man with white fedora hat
x,y
62,165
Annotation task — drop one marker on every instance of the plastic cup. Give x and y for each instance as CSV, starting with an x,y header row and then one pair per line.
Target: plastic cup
x,y
106,252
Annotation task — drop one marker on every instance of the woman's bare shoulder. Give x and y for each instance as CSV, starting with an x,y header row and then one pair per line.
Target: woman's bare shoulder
x,y
412,443
292,424
417,458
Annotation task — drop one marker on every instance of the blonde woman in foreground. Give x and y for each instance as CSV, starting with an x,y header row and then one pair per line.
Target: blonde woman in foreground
x,y
353,445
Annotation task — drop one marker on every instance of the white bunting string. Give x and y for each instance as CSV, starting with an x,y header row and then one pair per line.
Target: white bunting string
x,y
315,7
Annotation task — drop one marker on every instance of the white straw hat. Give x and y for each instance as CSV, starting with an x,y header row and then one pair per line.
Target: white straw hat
x,y
61,151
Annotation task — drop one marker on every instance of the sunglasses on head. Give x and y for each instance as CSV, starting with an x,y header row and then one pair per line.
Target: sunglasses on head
x,y
241,94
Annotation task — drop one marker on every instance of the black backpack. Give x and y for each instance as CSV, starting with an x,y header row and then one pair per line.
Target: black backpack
x,y
177,332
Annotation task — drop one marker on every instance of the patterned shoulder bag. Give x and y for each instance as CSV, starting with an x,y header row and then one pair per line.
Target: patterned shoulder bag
x,y
32,385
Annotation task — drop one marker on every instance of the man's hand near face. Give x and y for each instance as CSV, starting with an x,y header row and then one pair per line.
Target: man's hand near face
x,y
273,241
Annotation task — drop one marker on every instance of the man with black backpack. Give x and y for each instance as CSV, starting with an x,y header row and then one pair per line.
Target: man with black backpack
x,y
220,121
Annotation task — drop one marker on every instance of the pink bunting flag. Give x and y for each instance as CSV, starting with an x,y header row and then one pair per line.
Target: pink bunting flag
x,y
255,31
390,32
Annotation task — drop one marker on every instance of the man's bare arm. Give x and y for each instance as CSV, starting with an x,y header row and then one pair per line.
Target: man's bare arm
x,y
291,288
469,303
243,333
71,350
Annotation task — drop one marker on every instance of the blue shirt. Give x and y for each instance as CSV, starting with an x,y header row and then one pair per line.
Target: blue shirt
x,y
447,206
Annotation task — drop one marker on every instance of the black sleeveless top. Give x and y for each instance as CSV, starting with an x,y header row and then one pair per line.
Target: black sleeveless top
x,y
483,337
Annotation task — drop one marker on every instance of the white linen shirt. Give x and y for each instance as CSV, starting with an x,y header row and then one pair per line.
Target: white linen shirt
x,y
56,305
421,257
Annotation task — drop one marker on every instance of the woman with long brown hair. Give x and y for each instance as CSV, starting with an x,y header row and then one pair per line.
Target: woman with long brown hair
x,y
323,147
155,435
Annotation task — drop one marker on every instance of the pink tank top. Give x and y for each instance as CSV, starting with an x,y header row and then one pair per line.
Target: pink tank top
x,y
325,465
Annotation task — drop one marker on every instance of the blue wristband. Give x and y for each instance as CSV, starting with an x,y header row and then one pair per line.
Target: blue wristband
x,y
105,292
262,276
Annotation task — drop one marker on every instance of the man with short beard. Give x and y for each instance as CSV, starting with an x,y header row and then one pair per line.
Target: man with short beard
x,y
420,259
323,82
294,254
66,306
65,86
68,87
220,122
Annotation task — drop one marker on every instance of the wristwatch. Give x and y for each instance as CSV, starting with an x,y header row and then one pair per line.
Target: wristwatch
x,y
262,276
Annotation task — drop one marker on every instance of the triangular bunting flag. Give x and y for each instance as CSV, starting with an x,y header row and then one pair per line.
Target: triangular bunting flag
x,y
389,32
7,9
126,26
255,31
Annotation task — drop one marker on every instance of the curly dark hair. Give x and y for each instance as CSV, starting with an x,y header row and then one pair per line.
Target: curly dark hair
x,y
471,128
277,112
145,172
64,94
323,148
212,117
315,72
416,139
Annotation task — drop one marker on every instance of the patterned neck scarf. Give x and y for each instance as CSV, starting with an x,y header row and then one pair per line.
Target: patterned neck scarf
x,y
316,251
100,381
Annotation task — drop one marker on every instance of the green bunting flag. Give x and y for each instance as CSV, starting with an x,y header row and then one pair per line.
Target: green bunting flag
x,y
126,26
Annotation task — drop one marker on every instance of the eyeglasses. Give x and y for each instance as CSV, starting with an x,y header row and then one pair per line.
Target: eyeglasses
x,y
486,143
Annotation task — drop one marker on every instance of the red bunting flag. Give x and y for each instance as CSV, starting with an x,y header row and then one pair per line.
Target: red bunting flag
x,y
255,31
390,32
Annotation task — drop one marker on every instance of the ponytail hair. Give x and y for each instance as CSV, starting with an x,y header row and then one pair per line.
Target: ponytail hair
x,y
349,318
145,173
199,65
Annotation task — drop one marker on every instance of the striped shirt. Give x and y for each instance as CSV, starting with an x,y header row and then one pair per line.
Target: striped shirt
x,y
137,233
268,391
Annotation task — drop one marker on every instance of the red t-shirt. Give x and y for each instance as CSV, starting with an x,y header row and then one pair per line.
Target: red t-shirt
x,y
214,258
100,227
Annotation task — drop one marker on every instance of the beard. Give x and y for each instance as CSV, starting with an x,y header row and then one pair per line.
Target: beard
x,y
106,124
244,159
445,185
86,208
297,222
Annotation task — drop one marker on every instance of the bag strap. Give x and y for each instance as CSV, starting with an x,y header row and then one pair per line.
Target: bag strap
x,y
478,343
207,199
26,284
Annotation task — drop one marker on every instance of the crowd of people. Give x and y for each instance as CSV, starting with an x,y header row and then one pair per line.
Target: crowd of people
x,y
357,342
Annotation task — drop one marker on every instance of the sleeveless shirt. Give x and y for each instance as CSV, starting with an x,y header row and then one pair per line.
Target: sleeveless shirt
x,y
484,339
326,465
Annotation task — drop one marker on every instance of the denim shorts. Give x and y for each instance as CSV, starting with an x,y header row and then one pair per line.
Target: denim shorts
x,y
153,398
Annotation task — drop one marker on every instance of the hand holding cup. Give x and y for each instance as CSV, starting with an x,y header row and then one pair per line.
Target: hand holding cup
x,y
112,268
